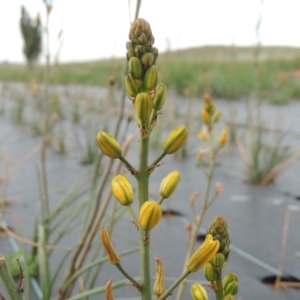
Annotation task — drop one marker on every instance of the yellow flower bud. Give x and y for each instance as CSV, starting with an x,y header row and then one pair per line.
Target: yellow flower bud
x,y
198,292
232,288
150,79
230,277
203,254
223,138
159,288
202,135
160,96
205,116
217,116
113,256
143,106
228,297
150,214
122,189
176,139
108,145
135,67
169,184
209,272
131,87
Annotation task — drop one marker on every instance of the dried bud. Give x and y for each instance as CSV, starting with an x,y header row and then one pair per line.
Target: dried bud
x,y
207,98
198,292
222,138
176,139
108,145
160,96
169,184
143,106
203,254
135,67
219,188
150,214
209,272
150,79
159,288
109,291
122,189
113,256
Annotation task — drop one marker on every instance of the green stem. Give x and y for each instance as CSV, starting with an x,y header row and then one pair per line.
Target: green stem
x,y
199,220
158,159
174,285
161,200
136,284
135,219
127,164
219,290
143,196
8,281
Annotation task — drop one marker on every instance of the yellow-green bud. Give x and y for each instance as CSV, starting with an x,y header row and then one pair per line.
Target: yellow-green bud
x,y
202,135
176,139
205,116
209,272
222,138
228,297
217,116
218,261
109,145
160,96
131,87
230,277
147,59
150,79
135,67
203,254
150,214
113,256
169,184
159,287
231,288
143,106
122,189
198,292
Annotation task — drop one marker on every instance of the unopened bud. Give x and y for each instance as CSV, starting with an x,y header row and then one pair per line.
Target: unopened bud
x,y
109,291
203,254
139,50
147,59
219,188
150,214
109,145
122,189
217,116
160,96
113,256
228,297
205,116
202,135
209,272
230,277
159,288
150,79
143,106
218,261
169,184
231,288
135,67
131,86
176,139
223,138
207,98
198,292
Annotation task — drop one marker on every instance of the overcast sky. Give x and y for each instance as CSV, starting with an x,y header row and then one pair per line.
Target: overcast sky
x,y
94,29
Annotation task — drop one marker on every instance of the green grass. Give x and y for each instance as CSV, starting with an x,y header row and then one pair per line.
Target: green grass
x,y
224,71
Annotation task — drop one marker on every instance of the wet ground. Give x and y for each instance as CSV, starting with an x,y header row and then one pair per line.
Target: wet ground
x,y
255,214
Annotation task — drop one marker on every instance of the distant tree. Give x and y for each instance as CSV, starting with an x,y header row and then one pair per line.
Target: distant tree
x,y
32,35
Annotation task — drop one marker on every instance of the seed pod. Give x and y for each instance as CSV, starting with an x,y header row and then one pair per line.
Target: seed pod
x,y
131,86
230,277
169,184
150,79
122,189
135,67
209,272
176,139
150,214
159,288
109,145
113,256
203,254
231,288
198,292
143,106
160,97
147,59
